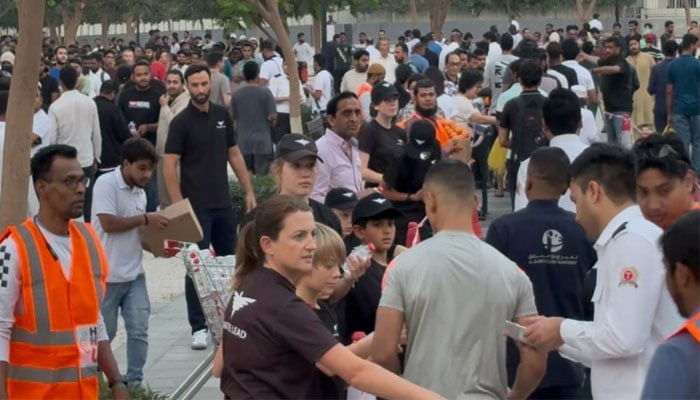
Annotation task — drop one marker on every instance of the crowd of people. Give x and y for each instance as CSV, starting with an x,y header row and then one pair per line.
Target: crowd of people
x,y
596,266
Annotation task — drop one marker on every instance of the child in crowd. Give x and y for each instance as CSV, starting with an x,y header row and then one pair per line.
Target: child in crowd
x,y
373,224
315,288
341,201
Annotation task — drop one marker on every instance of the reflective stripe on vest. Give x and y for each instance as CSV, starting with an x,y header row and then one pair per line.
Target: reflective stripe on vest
x,y
43,335
44,375
94,256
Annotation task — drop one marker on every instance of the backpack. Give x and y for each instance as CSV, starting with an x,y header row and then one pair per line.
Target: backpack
x,y
528,134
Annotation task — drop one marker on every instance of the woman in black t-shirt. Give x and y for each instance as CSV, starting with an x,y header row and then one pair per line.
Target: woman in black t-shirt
x,y
272,341
380,140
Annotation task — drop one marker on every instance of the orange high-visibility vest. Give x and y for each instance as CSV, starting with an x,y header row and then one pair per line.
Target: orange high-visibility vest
x,y
53,346
692,326
364,88
439,123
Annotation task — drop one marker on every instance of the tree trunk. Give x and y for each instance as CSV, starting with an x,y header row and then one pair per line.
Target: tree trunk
x,y
318,45
438,14
71,23
584,14
20,111
53,31
413,10
130,31
269,11
104,23
686,8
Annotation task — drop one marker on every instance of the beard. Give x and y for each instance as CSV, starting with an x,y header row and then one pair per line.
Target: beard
x,y
201,98
426,112
362,69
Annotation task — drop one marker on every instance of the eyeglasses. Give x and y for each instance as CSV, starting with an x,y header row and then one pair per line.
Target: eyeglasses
x,y
72,182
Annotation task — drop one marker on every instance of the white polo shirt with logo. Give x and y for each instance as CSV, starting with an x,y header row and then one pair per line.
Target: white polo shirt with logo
x,y
111,195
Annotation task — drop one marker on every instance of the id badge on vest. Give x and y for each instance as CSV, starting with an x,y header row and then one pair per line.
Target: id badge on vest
x,y
86,339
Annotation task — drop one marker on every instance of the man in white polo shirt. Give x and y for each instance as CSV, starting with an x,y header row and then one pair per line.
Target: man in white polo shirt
x,y
118,215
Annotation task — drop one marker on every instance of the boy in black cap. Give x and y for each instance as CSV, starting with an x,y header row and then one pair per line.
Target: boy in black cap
x,y
406,173
341,201
373,224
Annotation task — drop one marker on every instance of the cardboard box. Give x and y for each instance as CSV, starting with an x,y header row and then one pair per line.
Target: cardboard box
x,y
183,227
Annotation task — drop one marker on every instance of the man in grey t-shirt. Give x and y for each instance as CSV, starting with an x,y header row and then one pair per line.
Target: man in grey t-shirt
x,y
254,113
454,293
220,85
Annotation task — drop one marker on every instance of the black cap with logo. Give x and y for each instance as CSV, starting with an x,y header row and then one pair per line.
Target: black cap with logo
x,y
341,199
294,146
383,91
374,206
422,144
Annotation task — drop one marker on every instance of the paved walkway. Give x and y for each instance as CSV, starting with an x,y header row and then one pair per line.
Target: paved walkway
x,y
170,359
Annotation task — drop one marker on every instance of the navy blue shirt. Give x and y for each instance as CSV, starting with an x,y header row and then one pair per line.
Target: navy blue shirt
x,y
657,85
674,372
547,243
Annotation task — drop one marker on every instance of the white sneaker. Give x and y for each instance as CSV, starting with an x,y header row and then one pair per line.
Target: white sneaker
x,y
200,340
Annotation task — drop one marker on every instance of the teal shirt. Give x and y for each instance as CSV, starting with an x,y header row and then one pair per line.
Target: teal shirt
x,y
684,75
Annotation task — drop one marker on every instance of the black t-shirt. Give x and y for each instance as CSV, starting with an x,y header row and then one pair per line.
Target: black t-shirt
x,y
569,73
552,249
142,106
404,96
616,89
322,385
383,145
48,85
342,57
322,214
202,140
362,300
271,340
114,132
523,142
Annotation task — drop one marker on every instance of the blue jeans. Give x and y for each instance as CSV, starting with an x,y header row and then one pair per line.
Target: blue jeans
x,y
688,130
613,126
132,298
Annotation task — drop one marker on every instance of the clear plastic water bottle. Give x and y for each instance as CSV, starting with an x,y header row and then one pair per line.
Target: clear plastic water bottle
x,y
132,128
359,255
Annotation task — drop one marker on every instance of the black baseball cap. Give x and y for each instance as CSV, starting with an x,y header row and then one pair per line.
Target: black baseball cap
x,y
422,144
295,146
374,206
383,91
341,199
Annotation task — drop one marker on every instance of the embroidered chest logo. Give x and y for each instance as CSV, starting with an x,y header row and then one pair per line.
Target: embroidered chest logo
x,y
629,276
220,124
239,301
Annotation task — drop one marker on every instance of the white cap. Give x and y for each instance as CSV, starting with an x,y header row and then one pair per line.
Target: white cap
x,y
232,36
580,91
243,37
554,37
7,57
516,24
